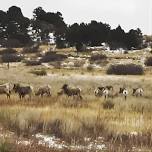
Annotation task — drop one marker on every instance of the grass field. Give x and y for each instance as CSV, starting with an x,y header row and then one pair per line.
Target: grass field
x,y
127,125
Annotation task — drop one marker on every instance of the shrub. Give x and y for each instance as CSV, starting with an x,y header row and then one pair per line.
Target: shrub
x,y
108,104
80,47
32,49
79,63
125,69
10,55
8,51
11,58
57,65
96,57
90,68
52,56
125,52
39,72
14,43
32,62
148,61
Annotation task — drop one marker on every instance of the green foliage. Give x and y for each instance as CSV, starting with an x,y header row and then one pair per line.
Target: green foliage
x,y
134,39
45,23
15,31
125,69
117,38
94,33
15,27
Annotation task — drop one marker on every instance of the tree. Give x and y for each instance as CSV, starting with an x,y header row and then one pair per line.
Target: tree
x,y
45,23
98,33
134,39
14,26
116,38
92,34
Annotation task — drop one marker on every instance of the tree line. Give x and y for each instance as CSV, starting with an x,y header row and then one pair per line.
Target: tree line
x,y
16,30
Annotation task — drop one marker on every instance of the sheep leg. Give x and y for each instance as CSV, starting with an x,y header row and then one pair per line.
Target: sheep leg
x,y
105,97
20,96
125,97
80,97
49,94
30,96
8,96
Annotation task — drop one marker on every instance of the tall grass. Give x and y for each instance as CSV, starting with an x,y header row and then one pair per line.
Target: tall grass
x,y
127,121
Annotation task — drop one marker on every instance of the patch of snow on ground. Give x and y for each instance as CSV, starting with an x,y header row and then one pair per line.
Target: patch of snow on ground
x,y
56,143
25,143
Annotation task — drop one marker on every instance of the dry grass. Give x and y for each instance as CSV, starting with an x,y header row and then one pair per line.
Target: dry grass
x,y
127,123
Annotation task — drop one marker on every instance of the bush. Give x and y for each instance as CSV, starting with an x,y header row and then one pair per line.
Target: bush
x,y
125,52
57,65
10,55
32,62
148,61
90,68
39,72
11,58
79,63
32,49
125,69
96,57
8,51
14,43
80,47
108,104
52,56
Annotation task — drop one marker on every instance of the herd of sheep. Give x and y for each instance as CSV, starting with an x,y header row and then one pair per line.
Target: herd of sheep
x,y
23,91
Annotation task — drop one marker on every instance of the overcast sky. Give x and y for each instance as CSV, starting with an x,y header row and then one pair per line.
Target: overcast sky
x,y
128,13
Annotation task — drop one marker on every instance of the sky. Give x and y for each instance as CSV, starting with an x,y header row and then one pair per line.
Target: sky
x,y
130,14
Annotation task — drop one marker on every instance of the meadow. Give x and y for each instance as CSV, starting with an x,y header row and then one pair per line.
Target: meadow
x,y
122,125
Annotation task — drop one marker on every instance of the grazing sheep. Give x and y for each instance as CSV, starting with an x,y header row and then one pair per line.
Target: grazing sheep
x,y
103,91
101,88
124,92
23,90
5,89
109,87
106,93
71,91
44,90
98,92
61,92
137,92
